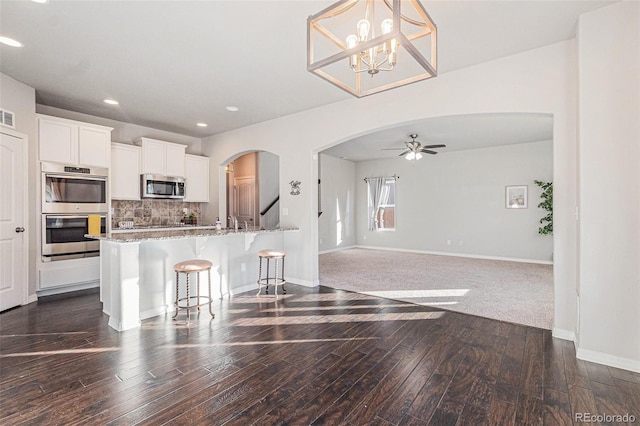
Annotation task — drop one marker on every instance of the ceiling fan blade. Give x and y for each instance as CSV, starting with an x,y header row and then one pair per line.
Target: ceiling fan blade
x,y
428,151
405,152
434,146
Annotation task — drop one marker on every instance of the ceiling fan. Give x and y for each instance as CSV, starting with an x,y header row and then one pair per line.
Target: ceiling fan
x,y
414,149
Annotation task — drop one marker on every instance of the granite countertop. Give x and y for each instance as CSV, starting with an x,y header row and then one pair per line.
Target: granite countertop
x,y
177,233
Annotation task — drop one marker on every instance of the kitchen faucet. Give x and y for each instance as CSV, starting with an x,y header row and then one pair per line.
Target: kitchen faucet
x,y
235,222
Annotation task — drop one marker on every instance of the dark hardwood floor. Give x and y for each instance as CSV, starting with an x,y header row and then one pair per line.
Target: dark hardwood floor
x,y
321,357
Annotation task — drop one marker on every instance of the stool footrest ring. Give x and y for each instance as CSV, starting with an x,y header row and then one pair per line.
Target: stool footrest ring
x,y
197,305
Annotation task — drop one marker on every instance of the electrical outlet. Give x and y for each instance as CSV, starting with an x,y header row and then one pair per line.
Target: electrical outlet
x,y
185,210
285,211
243,267
448,242
364,237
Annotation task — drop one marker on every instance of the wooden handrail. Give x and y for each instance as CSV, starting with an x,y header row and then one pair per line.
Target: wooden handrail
x,y
263,212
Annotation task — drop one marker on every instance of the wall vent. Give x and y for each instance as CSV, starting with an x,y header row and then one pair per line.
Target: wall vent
x,y
7,118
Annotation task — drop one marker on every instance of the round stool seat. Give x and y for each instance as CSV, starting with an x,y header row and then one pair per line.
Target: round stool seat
x,y
272,253
195,265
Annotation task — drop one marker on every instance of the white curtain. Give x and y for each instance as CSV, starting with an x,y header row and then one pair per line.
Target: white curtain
x,y
378,195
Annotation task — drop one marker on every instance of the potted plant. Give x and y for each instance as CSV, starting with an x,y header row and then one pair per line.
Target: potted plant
x,y
546,204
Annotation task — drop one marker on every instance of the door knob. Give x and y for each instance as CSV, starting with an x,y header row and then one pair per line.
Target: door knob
x,y
19,229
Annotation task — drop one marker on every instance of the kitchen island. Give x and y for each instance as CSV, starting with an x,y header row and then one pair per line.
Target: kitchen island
x,y
137,280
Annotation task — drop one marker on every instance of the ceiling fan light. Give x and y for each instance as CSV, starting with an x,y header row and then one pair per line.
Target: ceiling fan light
x,y
411,156
418,156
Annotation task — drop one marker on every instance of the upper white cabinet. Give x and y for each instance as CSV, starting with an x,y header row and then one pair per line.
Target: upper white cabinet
x,y
73,142
197,179
125,171
162,158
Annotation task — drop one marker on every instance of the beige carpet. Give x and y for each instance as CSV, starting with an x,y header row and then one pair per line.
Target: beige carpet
x,y
515,292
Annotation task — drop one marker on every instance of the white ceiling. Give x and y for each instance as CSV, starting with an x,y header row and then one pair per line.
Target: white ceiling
x,y
460,132
174,63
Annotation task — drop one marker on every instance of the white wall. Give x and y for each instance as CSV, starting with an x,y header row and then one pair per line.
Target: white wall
x,y
336,225
540,81
21,100
609,108
125,132
454,202
269,186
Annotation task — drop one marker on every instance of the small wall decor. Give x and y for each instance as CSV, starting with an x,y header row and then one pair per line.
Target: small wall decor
x,y
516,197
295,187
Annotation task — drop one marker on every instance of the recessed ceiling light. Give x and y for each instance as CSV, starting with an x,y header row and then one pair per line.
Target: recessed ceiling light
x,y
10,42
111,102
232,108
201,124
40,1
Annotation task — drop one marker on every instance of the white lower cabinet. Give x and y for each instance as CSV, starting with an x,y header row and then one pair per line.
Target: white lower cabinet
x,y
68,275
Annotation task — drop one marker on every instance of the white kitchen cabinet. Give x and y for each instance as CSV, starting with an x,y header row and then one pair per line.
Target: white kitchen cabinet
x,y
197,179
125,171
162,158
73,142
175,160
68,275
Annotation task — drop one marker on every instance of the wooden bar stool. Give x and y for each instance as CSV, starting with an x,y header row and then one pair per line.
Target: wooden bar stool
x,y
275,280
188,267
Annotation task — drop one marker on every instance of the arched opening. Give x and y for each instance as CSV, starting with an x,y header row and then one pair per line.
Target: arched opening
x,y
453,204
252,191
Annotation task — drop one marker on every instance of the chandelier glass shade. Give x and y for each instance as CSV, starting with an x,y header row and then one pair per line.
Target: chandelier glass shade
x,y
368,46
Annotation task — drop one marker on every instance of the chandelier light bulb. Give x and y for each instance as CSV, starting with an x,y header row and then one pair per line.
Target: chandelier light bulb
x,y
363,27
387,26
352,41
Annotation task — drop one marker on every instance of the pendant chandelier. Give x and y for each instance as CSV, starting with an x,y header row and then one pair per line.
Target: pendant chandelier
x,y
368,46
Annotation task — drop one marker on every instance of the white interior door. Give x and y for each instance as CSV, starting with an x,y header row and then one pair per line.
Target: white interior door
x,y
245,199
13,238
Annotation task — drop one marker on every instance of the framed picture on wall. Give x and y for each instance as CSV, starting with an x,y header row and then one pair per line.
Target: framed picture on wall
x,y
516,197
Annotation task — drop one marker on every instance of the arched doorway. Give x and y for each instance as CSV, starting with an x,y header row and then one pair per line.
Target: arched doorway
x,y
252,190
451,204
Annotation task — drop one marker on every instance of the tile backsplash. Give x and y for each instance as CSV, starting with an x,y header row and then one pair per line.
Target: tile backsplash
x,y
152,212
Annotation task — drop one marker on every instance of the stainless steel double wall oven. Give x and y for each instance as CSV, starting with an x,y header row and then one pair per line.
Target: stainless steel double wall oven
x,y
69,195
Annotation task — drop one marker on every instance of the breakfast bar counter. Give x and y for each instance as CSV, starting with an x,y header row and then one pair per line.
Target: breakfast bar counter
x,y
137,280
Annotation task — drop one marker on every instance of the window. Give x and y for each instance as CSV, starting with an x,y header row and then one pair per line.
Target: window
x,y
381,204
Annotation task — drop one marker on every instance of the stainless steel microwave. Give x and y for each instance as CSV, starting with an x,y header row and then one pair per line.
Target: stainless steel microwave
x,y
159,186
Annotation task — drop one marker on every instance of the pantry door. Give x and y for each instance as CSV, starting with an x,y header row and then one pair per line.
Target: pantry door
x,y
13,235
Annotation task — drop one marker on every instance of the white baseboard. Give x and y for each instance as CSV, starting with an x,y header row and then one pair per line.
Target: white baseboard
x,y
336,249
243,289
564,334
150,313
67,289
471,256
304,283
608,359
32,298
